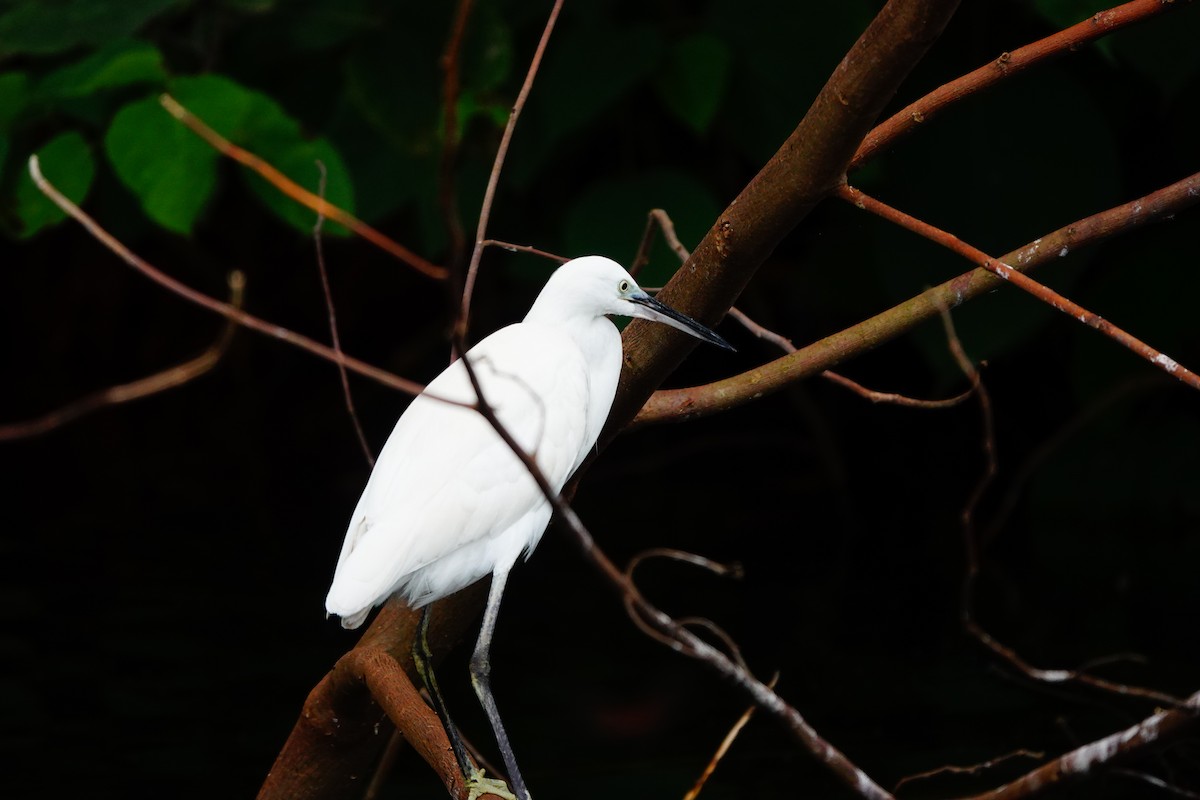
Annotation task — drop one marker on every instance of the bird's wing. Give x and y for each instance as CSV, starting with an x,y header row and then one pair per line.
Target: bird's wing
x,y
445,479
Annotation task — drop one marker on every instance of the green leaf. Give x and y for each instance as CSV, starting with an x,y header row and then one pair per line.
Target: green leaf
x,y
52,26
66,161
166,166
118,64
172,171
694,80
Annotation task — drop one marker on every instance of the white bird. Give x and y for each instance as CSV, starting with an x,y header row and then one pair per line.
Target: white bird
x,y
449,502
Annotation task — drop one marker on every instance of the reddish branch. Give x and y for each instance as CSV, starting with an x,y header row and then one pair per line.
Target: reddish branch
x,y
1021,281
853,341
341,729
298,193
1005,66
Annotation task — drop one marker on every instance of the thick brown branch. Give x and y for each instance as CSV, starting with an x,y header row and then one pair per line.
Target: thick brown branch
x,y
853,341
1006,65
810,164
342,729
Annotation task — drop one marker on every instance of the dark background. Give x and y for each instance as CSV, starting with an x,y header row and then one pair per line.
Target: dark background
x,y
166,560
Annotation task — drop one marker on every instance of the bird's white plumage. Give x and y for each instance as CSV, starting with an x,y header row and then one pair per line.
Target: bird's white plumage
x,y
448,502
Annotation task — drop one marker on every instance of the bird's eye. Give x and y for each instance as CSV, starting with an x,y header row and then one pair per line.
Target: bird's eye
x,y
623,286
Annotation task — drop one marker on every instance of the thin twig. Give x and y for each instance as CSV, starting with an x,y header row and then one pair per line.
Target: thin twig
x,y
657,219
1006,65
723,748
972,769
524,248
971,548
489,194
1020,280
144,387
216,306
892,398
298,193
335,337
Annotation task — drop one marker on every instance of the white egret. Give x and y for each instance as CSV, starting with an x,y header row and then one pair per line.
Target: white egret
x,y
449,502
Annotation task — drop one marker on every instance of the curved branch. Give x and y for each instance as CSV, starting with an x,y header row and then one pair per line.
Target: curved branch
x,y
169,378
907,119
226,310
342,729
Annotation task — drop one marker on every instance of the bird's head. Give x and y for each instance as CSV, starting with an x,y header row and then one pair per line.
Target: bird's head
x,y
594,286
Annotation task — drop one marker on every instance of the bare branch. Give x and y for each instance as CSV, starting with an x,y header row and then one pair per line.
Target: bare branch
x,y
657,219
678,404
805,169
144,387
972,769
723,748
1086,760
1021,281
335,337
204,301
489,195
1006,65
524,248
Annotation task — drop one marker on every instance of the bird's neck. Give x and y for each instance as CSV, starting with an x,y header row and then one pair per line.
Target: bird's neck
x,y
593,333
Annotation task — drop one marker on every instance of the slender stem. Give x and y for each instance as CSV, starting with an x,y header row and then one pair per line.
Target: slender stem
x,y
334,336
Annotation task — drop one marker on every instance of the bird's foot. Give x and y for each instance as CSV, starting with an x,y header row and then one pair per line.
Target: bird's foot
x,y
478,785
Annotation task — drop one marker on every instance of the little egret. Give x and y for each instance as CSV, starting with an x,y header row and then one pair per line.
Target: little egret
x,y
449,502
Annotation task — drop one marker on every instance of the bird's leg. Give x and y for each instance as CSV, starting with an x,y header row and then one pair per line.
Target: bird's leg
x,y
477,784
481,669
